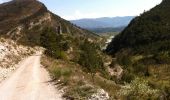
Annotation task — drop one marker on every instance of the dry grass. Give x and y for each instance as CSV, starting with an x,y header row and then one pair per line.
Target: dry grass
x,y
76,83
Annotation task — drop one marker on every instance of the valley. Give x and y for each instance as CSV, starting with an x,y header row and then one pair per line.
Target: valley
x,y
45,57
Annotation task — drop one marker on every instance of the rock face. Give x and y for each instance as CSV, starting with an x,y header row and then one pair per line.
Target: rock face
x,y
100,95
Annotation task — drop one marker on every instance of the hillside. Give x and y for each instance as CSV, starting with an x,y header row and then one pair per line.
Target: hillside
x,y
143,50
104,24
23,20
149,32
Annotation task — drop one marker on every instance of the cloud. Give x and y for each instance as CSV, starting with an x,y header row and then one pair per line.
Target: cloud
x,y
78,15
2,1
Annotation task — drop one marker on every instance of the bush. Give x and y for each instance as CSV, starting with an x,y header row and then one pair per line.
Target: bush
x,y
141,69
53,43
124,58
65,46
138,89
127,77
79,92
60,55
163,57
58,73
90,59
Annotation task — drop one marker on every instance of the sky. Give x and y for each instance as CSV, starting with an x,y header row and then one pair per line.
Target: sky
x,y
78,9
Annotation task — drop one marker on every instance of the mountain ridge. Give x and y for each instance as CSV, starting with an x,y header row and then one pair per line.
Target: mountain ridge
x,y
24,16
105,22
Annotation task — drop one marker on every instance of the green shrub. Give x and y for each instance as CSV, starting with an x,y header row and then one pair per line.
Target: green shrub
x,y
90,59
79,92
63,55
58,72
124,58
65,46
127,77
140,69
60,55
53,43
138,89
163,57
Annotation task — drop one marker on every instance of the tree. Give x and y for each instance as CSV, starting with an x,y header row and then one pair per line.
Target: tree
x,y
90,59
52,42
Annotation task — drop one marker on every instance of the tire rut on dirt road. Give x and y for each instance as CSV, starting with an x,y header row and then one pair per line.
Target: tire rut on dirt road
x,y
29,82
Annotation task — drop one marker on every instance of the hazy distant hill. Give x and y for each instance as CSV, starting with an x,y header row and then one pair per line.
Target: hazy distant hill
x,y
105,23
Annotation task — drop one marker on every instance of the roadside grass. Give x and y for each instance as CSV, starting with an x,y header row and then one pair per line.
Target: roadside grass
x,y
60,73
109,86
68,77
77,84
79,92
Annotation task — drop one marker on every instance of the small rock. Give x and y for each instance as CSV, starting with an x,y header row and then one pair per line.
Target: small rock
x,y
100,95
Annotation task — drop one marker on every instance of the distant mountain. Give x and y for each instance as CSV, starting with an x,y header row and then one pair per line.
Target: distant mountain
x,y
105,23
106,30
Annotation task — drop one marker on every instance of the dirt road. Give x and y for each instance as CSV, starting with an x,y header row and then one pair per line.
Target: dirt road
x,y
29,82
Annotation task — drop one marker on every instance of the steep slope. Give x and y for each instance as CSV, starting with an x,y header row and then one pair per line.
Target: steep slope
x,y
23,20
143,49
148,33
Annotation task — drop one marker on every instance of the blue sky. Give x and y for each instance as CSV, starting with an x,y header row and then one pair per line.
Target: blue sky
x,y
77,9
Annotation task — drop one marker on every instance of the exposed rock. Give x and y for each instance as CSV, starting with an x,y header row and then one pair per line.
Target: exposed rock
x,y
45,17
100,95
116,71
10,54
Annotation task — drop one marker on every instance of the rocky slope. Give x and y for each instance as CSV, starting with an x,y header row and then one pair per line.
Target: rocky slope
x,y
10,55
23,20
